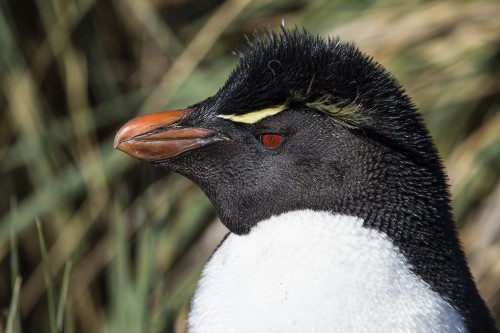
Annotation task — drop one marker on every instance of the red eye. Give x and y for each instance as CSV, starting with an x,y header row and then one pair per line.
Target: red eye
x,y
271,140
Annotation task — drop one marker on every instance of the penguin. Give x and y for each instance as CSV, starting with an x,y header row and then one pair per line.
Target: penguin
x,y
335,198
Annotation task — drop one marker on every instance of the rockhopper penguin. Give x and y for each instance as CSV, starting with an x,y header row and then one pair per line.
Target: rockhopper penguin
x,y
335,197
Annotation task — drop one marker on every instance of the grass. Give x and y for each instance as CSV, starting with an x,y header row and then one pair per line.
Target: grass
x,y
123,243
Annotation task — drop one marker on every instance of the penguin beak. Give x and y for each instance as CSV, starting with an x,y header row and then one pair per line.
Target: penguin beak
x,y
159,136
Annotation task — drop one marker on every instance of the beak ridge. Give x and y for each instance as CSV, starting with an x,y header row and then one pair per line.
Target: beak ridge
x,y
158,136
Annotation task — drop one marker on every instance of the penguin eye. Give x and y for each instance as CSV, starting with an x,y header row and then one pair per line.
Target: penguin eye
x,y
271,140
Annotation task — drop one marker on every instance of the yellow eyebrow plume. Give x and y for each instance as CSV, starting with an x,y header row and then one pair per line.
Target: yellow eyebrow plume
x,y
255,116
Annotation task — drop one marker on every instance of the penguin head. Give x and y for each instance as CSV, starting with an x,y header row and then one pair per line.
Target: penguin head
x,y
301,123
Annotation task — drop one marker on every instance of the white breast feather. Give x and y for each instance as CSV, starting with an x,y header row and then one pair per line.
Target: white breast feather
x,y
308,271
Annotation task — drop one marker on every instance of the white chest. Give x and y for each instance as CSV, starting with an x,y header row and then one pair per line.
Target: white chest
x,y
315,272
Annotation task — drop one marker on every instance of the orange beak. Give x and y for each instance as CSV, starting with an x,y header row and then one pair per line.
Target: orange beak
x,y
157,136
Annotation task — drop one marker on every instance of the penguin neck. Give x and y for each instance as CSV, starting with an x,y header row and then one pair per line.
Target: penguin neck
x,y
312,263
404,199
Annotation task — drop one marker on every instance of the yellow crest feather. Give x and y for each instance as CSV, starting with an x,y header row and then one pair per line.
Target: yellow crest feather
x,y
254,116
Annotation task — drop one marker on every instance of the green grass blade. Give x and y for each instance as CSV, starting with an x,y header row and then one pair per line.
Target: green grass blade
x,y
14,260
13,310
48,278
14,255
70,320
62,300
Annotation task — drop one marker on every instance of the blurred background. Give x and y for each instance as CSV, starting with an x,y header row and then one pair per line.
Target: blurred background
x,y
92,240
